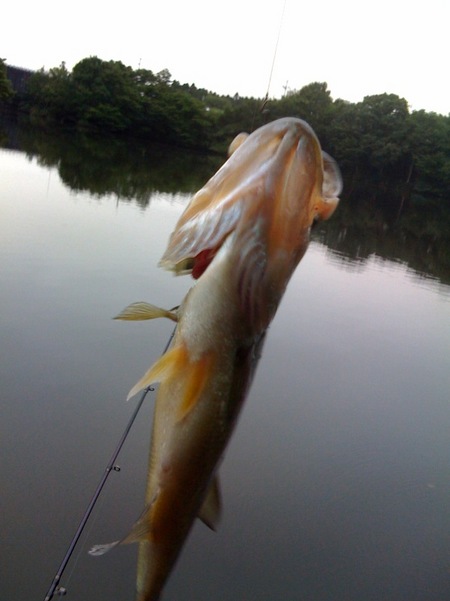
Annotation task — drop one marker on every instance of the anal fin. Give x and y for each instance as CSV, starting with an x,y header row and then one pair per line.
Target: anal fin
x,y
211,509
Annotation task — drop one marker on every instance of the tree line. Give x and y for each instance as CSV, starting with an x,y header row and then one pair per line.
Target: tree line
x,y
377,140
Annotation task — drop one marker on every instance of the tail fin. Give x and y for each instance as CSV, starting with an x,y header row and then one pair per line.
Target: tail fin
x,y
140,532
102,549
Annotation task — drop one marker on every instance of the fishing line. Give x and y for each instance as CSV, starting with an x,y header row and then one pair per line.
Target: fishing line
x,y
88,531
111,466
266,98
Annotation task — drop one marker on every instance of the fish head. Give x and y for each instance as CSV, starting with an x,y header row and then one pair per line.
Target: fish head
x,y
282,182
276,182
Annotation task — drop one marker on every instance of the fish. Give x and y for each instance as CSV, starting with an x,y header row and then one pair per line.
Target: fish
x,y
240,237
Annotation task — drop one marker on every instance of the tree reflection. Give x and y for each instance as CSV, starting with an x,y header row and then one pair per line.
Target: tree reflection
x,y
416,232
128,169
372,219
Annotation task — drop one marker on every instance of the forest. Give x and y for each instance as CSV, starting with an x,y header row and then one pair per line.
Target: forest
x,y
378,140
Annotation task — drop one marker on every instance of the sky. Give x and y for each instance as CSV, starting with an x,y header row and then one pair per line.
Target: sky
x,y
249,47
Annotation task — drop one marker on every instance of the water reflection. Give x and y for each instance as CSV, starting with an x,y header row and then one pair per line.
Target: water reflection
x,y
131,170
336,484
370,222
418,238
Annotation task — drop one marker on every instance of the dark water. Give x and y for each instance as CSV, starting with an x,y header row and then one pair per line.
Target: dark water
x,y
336,483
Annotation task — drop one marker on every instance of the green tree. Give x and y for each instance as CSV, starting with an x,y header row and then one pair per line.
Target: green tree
x,y
385,128
238,114
376,140
49,97
430,144
6,91
313,103
105,95
345,134
175,117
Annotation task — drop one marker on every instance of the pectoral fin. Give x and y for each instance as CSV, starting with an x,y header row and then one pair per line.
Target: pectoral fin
x,y
141,310
331,187
211,509
325,208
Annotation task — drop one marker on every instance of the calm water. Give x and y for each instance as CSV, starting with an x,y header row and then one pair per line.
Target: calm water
x,y
336,484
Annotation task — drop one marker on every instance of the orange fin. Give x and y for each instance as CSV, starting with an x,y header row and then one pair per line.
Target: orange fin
x,y
162,369
331,187
195,380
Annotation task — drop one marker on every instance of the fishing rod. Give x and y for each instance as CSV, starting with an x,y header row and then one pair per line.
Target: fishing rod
x,y
111,466
266,97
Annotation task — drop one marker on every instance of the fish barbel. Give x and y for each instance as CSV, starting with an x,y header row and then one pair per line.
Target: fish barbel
x,y
241,237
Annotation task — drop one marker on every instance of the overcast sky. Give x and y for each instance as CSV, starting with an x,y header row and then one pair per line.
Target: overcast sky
x,y
358,48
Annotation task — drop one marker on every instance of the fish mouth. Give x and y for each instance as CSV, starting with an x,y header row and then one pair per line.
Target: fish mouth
x,y
197,265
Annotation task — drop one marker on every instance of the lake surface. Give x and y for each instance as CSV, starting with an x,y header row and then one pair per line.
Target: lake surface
x,y
336,484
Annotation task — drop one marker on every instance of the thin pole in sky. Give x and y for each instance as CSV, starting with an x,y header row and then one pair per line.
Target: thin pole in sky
x,y
276,49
